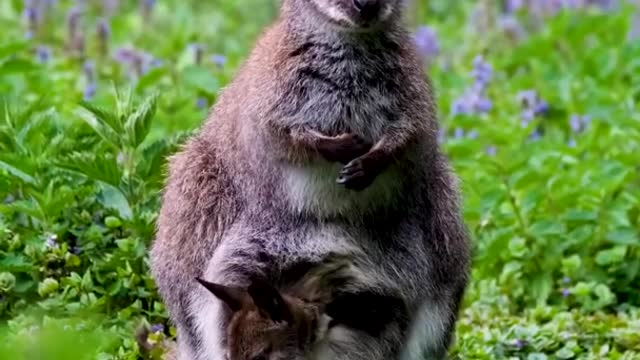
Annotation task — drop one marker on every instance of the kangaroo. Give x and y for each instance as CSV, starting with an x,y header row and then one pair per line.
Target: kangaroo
x,y
325,143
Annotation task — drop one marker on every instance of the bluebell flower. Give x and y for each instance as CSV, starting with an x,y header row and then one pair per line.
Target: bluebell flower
x,y
426,42
201,103
157,328
43,54
89,91
219,60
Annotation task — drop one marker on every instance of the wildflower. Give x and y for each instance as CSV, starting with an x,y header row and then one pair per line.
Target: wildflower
x,y
566,292
156,328
109,7
146,7
426,41
138,62
441,136
89,91
73,23
473,134
535,135
519,343
458,133
532,106
566,280
579,123
32,16
51,241
474,100
198,53
511,27
103,33
491,150
511,6
43,54
218,60
201,103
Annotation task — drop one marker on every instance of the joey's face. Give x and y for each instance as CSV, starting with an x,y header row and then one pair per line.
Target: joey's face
x,y
357,14
267,325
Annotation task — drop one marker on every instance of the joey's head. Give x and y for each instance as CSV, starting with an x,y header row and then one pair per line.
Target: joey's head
x,y
357,14
268,325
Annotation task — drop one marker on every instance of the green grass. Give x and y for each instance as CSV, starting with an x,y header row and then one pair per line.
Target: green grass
x,y
555,218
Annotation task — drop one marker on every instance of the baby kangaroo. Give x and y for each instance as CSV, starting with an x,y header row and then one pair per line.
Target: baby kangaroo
x,y
268,325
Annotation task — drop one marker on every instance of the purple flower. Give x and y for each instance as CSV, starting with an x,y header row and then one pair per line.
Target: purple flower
x,y
52,241
219,60
89,91
32,16
76,250
511,6
89,70
458,133
482,71
491,150
104,32
146,7
442,136
109,7
198,53
474,100
156,328
532,106
73,23
566,292
519,343
473,134
426,42
535,135
138,62
579,123
201,103
43,54
566,280
512,27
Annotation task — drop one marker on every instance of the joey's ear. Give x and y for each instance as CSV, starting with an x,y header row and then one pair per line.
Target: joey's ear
x,y
232,296
269,301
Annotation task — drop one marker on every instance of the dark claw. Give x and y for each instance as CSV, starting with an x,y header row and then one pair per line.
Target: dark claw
x,y
355,176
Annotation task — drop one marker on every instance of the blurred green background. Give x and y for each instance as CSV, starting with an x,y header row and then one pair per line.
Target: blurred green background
x,y
538,105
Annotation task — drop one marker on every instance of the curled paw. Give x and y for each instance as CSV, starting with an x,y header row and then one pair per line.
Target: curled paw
x,y
356,176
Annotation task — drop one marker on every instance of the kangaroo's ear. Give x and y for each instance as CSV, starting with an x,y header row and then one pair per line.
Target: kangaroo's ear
x,y
269,301
235,298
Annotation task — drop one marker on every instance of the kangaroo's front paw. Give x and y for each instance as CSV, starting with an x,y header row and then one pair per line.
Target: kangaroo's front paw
x,y
343,148
358,174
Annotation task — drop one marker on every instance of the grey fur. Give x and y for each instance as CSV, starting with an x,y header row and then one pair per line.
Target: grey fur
x,y
250,194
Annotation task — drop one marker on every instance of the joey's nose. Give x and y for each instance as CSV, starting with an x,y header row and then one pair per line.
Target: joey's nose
x,y
368,8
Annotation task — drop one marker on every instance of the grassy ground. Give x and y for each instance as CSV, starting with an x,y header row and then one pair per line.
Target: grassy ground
x,y
539,113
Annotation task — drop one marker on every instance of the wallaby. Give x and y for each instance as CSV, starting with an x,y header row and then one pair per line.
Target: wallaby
x,y
324,143
268,325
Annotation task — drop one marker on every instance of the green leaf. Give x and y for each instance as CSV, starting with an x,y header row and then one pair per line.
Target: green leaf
x,y
112,198
201,79
138,124
17,66
96,167
624,237
611,256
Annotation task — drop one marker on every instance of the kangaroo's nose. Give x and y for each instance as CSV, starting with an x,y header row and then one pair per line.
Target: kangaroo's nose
x,y
368,8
